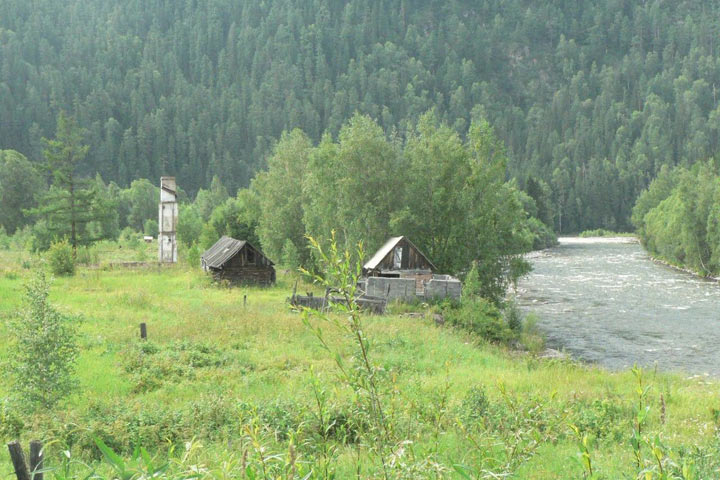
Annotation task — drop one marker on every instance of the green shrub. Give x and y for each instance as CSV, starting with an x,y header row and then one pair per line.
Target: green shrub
x,y
601,418
11,424
61,258
599,232
531,337
475,404
42,337
150,227
482,318
87,255
543,236
193,256
129,238
22,238
513,316
151,365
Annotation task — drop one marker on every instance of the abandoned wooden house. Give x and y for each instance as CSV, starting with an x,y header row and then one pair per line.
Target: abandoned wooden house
x,y
238,262
399,270
399,258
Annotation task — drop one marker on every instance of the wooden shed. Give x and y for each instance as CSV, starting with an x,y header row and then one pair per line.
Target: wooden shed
x,y
400,258
238,262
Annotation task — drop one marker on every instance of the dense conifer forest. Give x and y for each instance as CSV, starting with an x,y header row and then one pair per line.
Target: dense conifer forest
x,y
591,99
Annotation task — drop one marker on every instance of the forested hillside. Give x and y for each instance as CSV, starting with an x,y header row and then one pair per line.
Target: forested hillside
x,y
592,98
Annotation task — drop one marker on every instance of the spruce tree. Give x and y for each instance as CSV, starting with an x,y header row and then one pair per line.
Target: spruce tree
x,y
71,202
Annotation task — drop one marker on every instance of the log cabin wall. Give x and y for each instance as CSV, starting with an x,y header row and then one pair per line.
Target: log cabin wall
x,y
248,267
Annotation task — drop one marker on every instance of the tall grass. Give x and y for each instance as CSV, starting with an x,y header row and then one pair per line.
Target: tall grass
x,y
223,390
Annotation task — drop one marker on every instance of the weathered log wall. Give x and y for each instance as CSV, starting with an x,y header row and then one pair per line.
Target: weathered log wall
x,y
247,275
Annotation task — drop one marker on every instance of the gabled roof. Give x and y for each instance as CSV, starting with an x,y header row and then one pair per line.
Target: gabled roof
x,y
225,249
387,248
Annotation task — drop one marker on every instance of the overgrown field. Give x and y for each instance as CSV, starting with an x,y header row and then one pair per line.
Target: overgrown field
x,y
227,390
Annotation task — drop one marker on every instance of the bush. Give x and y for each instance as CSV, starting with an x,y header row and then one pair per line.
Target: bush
x,y
42,338
513,317
87,255
129,238
61,258
475,404
600,232
543,236
481,317
11,424
531,337
150,227
193,256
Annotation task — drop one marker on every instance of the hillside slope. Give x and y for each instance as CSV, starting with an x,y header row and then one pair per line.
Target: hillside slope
x,y
590,97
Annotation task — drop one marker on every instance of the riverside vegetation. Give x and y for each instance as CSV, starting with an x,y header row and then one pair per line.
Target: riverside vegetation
x,y
222,390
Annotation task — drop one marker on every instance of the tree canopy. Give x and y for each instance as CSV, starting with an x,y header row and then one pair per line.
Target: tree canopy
x,y
590,98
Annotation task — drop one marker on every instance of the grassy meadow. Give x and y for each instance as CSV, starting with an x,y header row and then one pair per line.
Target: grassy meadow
x,y
224,389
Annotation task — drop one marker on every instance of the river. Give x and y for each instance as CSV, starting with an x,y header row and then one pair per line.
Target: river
x,y
605,301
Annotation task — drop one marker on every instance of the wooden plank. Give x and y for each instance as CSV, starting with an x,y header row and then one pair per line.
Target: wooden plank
x,y
36,460
18,459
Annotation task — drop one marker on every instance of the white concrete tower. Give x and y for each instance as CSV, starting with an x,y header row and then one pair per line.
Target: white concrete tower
x,y
167,222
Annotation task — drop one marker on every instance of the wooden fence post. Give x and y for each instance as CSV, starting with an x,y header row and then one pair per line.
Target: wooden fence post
x,y
18,460
244,301
36,460
143,331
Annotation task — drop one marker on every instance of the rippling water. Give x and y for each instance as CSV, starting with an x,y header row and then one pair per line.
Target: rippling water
x,y
605,301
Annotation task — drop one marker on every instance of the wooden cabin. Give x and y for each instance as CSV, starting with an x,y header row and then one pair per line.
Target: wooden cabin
x,y
400,258
238,262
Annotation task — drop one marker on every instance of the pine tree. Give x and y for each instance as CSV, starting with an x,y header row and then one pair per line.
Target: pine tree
x,y
71,202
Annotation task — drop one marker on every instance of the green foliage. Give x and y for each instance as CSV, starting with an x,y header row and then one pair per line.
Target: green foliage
x,y
129,238
482,318
45,345
677,218
87,255
280,195
290,256
61,258
236,217
142,200
602,96
351,186
150,227
446,194
475,404
340,272
11,423
72,202
20,182
150,365
4,239
190,225
472,288
192,256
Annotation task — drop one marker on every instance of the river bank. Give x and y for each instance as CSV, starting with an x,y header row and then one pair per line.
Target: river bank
x,y
605,301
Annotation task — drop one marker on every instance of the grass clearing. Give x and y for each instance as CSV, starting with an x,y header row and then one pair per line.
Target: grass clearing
x,y
237,377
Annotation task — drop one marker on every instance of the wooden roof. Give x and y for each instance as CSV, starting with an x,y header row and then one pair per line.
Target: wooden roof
x,y
376,259
225,249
